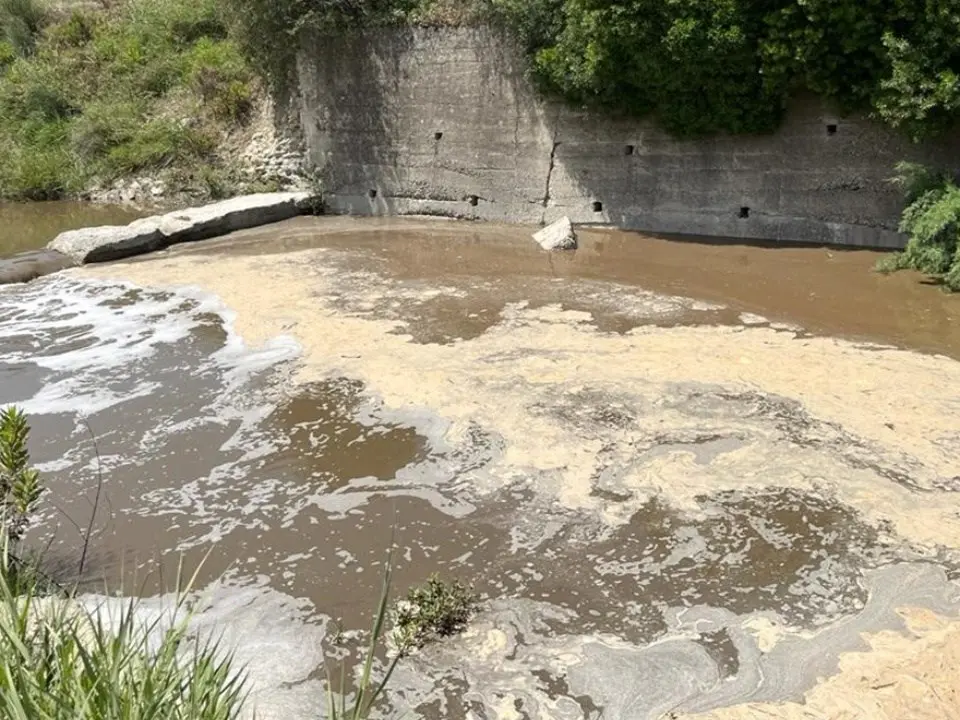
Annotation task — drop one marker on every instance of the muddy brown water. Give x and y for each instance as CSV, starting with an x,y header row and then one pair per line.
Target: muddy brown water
x,y
826,290
206,451
30,226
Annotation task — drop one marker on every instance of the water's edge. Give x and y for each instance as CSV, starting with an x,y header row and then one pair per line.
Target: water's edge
x,y
114,242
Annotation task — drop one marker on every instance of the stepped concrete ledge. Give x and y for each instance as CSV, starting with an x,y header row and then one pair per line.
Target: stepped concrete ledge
x,y
114,242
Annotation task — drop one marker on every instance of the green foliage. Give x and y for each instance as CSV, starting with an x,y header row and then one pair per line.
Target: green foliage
x,y
700,66
20,24
102,94
19,482
705,66
434,610
59,659
219,74
695,64
932,222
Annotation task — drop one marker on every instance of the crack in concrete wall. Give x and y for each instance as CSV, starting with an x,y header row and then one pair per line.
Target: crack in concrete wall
x,y
552,163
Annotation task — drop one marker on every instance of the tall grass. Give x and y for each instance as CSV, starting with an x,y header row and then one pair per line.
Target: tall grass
x,y
61,659
20,23
368,691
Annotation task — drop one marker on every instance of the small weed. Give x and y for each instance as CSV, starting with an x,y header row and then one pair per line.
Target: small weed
x,y
889,263
19,482
217,182
433,610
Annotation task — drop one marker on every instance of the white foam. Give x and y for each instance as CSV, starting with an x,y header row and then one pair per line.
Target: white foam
x,y
92,336
83,394
105,326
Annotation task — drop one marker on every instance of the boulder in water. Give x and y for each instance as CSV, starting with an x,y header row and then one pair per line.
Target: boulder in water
x,y
28,266
558,235
109,242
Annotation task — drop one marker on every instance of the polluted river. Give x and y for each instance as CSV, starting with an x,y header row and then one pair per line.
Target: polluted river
x,y
688,479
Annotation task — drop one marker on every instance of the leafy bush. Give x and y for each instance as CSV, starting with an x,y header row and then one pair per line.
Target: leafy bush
x,y
932,221
705,66
433,610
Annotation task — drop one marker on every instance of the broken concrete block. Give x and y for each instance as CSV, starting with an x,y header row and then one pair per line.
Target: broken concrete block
x,y
558,235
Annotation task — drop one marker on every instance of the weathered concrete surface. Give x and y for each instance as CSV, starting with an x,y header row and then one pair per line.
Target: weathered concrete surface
x,y
237,213
113,242
558,235
444,122
109,242
28,266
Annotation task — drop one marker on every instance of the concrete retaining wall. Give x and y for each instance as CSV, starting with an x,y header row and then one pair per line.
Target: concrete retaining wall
x,y
423,121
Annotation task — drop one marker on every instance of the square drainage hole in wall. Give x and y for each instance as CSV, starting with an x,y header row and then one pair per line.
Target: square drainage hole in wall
x,y
473,200
597,206
628,150
831,129
372,194
438,136
744,213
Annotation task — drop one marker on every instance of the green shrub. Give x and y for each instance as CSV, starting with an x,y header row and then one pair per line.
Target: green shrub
x,y
35,92
434,610
931,219
7,54
42,173
704,66
104,125
76,31
921,94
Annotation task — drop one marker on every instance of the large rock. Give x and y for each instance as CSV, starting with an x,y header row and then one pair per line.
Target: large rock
x,y
558,235
110,242
100,244
28,266
239,213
